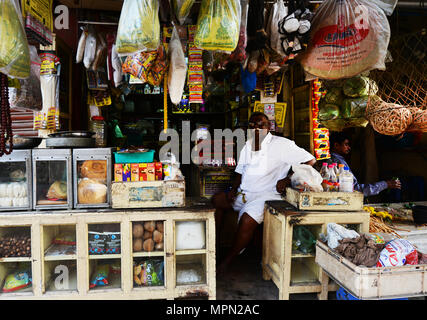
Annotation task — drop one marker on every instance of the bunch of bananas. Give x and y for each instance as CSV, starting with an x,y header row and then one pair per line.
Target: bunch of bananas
x,y
381,214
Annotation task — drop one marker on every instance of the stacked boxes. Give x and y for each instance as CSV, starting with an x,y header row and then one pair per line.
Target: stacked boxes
x,y
138,172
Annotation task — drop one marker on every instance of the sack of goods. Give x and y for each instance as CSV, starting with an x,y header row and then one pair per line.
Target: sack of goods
x,y
347,39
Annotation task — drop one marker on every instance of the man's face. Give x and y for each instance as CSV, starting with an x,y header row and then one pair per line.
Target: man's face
x,y
343,148
258,129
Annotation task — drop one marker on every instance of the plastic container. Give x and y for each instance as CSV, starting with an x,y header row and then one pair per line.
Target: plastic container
x,y
134,157
98,125
342,294
346,181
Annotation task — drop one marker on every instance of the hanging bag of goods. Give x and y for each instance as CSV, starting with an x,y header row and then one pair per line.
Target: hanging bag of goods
x,y
177,69
348,37
139,27
218,25
14,51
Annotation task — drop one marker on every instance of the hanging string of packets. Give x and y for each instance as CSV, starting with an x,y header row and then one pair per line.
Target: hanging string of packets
x,y
195,68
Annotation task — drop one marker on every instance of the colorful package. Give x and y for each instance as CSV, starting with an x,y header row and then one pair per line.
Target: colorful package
x,y
101,276
96,242
398,253
149,272
134,172
142,172
66,239
112,242
139,64
17,281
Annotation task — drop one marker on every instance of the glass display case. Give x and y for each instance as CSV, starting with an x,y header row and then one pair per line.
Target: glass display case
x,y
92,172
52,181
15,181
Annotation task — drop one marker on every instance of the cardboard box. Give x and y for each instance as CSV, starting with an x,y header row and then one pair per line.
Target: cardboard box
x,y
126,172
118,172
134,172
142,172
159,171
151,172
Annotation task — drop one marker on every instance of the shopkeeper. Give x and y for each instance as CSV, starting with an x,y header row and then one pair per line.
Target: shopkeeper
x,y
262,173
340,147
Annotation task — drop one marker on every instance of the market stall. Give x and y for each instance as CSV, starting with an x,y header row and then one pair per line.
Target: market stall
x,y
88,188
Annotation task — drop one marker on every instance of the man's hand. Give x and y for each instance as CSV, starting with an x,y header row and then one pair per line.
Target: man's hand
x,y
231,195
282,184
394,184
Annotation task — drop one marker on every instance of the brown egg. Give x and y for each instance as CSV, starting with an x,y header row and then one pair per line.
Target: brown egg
x,y
137,245
137,230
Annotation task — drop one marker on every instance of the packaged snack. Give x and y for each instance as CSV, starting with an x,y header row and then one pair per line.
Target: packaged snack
x,y
134,172
142,172
65,238
96,242
151,169
101,276
112,242
321,144
149,272
126,172
159,171
398,253
139,64
322,154
321,133
17,280
118,172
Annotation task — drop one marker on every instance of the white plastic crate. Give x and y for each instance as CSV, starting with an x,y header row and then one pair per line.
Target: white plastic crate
x,y
372,283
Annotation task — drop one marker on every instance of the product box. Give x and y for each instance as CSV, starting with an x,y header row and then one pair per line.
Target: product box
x,y
134,172
118,172
96,242
159,171
151,172
126,172
142,172
112,242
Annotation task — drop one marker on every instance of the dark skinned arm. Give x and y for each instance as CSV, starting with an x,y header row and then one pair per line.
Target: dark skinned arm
x,y
284,183
236,183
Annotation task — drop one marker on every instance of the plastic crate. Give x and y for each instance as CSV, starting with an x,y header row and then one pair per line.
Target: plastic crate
x,y
342,294
134,157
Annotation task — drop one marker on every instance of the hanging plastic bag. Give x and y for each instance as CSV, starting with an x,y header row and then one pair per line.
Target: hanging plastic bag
x,y
278,12
177,69
157,71
81,45
347,38
139,64
29,95
117,66
218,25
139,27
239,54
14,51
90,49
182,9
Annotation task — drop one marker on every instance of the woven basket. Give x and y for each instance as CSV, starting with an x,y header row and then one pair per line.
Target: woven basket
x,y
388,118
419,120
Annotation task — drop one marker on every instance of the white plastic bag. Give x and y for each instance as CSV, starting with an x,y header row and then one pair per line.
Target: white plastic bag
x,y
398,253
336,232
306,178
347,39
81,45
139,27
90,50
177,68
117,67
190,235
278,12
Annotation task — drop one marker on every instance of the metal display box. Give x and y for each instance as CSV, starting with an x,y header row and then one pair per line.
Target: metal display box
x,y
94,154
17,160
50,166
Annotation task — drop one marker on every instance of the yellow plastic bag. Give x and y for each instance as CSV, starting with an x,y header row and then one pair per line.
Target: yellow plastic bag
x,y
139,27
218,25
14,50
182,9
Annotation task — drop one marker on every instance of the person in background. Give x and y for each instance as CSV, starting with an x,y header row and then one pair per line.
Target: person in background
x,y
340,147
262,173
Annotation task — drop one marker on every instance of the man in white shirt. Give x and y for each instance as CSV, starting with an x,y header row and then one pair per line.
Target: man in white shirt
x,y
262,173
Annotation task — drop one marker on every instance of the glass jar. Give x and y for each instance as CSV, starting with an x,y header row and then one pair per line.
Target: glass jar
x,y
99,126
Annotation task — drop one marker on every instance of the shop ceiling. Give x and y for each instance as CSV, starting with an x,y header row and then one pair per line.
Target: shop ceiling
x,y
116,5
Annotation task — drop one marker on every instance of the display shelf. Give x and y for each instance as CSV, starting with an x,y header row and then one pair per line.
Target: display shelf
x,y
189,252
45,226
292,271
16,259
60,277
104,256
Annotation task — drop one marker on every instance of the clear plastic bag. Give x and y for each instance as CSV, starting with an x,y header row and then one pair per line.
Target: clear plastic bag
x,y
306,178
29,95
14,51
90,49
139,27
182,9
177,69
239,54
347,38
278,12
218,25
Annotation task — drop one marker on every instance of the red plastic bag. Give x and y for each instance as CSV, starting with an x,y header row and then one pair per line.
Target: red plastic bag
x,y
397,253
347,38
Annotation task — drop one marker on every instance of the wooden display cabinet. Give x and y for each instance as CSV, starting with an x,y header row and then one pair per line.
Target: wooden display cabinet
x,y
67,276
291,271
